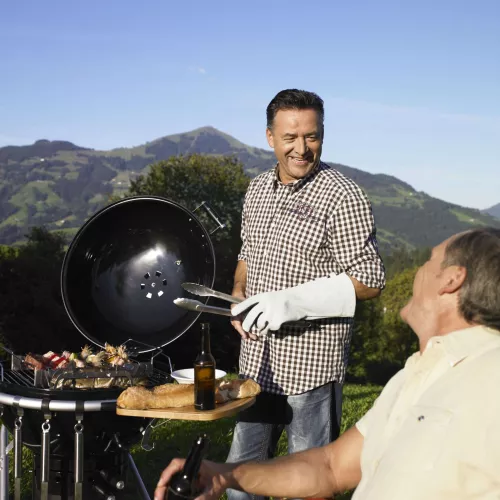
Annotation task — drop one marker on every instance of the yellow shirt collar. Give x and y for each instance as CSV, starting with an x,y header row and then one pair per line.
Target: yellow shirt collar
x,y
460,344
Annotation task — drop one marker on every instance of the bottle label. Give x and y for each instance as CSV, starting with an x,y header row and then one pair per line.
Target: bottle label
x,y
204,388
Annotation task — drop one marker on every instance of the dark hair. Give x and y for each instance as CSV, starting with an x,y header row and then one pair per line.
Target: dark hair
x,y
294,99
478,251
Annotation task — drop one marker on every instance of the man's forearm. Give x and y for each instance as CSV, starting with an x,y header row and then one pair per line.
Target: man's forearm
x,y
364,292
240,279
315,473
300,475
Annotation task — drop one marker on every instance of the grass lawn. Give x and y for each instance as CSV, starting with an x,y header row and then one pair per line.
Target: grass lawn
x,y
174,438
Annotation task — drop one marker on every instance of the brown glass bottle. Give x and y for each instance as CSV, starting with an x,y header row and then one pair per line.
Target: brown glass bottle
x,y
204,373
182,486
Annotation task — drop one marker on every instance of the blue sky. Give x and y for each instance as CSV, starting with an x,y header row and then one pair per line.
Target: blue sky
x,y
411,89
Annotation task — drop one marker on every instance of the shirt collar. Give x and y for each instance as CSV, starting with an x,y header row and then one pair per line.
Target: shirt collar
x,y
460,344
298,183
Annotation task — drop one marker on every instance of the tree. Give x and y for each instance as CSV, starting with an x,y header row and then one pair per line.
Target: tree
x,y
366,358
382,342
32,316
7,252
189,180
401,341
45,245
222,182
401,258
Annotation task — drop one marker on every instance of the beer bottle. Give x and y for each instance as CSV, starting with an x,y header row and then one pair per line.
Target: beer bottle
x,y
182,486
204,373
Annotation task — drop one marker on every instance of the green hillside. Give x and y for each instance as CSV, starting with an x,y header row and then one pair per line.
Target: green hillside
x,y
59,184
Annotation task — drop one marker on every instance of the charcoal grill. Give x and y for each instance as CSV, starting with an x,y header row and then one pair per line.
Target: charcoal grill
x,y
119,278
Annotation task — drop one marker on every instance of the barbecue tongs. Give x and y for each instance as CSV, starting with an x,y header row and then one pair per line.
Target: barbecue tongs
x,y
204,291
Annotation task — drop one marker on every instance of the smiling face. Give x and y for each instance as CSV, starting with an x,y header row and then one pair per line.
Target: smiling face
x,y
297,139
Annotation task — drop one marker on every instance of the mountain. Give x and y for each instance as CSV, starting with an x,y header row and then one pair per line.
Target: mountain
x,y
494,210
59,184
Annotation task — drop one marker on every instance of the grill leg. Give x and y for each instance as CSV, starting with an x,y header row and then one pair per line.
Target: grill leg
x,y
79,460
138,479
4,464
45,461
18,458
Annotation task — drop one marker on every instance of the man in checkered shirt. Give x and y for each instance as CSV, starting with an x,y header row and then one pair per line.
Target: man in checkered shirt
x,y
309,251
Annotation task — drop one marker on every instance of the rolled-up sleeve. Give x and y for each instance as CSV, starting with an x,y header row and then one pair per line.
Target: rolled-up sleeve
x,y
353,236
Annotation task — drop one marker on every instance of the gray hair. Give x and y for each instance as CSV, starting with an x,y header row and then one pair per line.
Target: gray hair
x,y
478,251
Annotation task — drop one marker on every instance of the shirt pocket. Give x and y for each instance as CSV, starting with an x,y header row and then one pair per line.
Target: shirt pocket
x,y
427,429
258,228
305,234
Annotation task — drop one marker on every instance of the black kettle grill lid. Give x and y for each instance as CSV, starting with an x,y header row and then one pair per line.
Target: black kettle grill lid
x,y
125,267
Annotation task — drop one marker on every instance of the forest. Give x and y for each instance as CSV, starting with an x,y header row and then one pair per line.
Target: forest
x,y
32,313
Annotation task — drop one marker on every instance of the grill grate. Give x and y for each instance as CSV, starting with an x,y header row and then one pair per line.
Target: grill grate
x,y
135,372
158,377
18,377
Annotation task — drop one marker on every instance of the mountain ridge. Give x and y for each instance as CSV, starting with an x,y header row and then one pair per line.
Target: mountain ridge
x,y
494,210
60,184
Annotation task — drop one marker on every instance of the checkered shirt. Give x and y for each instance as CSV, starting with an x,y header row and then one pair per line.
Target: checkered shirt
x,y
294,233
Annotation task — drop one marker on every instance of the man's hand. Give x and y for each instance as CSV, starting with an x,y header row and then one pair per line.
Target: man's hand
x,y
212,481
315,473
265,311
331,296
240,283
237,321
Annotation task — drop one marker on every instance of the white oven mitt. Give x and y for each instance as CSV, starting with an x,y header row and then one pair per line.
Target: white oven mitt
x,y
328,297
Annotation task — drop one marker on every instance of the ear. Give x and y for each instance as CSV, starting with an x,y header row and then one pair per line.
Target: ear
x,y
453,278
270,138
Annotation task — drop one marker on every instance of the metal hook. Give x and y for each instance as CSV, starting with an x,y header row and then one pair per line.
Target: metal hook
x,y
211,212
163,422
146,435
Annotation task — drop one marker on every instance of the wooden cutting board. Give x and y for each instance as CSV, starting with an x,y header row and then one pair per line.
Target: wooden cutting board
x,y
190,413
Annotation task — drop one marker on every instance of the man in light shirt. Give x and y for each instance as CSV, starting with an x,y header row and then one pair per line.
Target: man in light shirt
x,y
434,432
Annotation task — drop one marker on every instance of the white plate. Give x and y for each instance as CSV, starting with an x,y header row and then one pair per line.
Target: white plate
x,y
186,376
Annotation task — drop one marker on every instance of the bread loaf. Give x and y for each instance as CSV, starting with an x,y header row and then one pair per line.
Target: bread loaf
x,y
140,398
179,395
238,389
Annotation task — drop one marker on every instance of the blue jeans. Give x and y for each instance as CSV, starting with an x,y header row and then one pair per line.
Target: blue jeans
x,y
311,419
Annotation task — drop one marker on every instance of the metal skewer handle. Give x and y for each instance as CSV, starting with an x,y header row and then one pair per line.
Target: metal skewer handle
x,y
18,454
45,465
79,458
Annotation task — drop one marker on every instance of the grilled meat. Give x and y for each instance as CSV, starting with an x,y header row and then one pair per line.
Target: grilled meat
x,y
86,352
55,361
35,361
87,370
97,359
